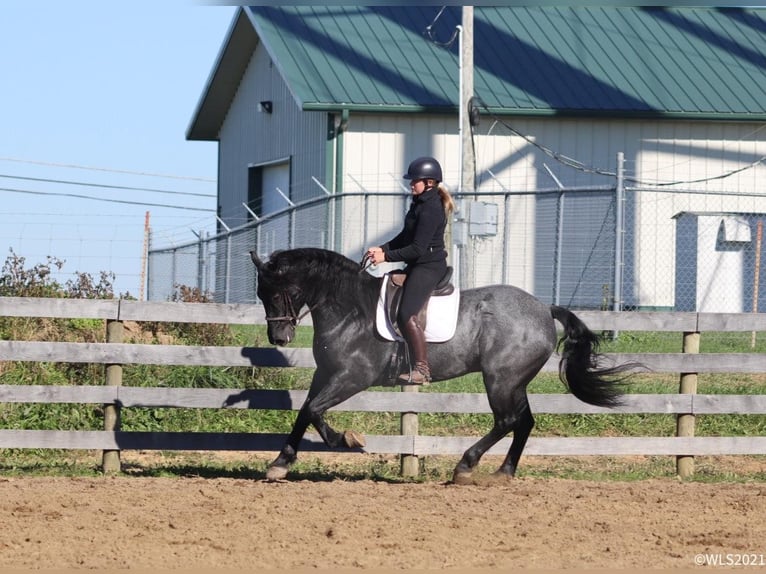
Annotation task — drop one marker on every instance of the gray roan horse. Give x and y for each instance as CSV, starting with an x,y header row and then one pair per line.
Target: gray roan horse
x,y
503,332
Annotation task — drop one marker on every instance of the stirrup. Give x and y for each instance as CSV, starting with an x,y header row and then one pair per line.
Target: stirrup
x,y
419,375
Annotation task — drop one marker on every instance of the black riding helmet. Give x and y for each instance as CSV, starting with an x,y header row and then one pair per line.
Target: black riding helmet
x,y
424,168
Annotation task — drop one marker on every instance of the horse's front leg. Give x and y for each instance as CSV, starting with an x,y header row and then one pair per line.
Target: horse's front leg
x,y
287,456
323,395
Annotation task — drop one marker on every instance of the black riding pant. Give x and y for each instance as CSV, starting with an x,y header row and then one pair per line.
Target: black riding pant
x,y
420,283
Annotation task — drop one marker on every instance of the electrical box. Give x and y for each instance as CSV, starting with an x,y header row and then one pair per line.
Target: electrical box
x,y
473,219
482,219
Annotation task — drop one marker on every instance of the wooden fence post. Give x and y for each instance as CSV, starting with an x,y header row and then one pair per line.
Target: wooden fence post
x,y
110,459
410,465
685,422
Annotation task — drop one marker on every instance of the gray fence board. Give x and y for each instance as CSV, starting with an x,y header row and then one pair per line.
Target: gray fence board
x,y
125,353
732,404
643,321
246,314
59,308
377,444
376,401
57,394
127,310
129,353
732,322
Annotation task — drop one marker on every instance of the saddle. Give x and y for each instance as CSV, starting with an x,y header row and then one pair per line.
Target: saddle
x,y
438,316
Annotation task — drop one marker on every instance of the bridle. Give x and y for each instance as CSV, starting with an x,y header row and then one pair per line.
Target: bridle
x,y
290,314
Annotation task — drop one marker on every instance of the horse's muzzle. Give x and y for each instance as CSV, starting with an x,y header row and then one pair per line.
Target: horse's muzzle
x,y
281,335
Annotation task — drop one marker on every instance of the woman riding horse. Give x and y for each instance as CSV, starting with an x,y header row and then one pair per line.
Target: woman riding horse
x,y
420,244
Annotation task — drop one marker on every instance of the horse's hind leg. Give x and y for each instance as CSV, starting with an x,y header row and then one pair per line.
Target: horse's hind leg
x,y
471,457
521,431
511,413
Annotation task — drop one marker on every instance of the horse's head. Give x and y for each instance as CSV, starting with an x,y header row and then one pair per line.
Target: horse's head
x,y
282,298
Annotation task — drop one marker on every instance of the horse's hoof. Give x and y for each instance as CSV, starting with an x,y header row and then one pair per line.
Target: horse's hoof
x,y
274,473
353,439
500,477
462,478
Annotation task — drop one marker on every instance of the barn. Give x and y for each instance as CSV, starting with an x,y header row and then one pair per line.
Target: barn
x,y
602,136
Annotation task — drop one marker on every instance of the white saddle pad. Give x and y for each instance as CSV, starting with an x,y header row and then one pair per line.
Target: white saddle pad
x,y
441,317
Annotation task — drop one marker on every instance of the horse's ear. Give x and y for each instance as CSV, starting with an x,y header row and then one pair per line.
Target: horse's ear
x,y
256,260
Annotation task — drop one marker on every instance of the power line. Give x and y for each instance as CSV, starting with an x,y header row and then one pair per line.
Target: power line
x,y
123,201
105,186
91,168
575,164
701,180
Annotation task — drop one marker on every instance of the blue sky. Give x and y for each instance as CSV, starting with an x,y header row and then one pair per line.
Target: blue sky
x,y
109,87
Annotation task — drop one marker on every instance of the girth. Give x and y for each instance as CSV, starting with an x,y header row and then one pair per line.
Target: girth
x,y
394,283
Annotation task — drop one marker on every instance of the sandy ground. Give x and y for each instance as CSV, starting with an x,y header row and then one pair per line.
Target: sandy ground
x,y
211,523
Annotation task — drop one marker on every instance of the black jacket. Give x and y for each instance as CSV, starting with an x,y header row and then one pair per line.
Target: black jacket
x,y
422,239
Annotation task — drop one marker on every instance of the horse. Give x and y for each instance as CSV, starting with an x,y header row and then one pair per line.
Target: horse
x,y
503,332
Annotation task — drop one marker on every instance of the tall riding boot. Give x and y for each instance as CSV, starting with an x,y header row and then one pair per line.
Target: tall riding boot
x,y
416,340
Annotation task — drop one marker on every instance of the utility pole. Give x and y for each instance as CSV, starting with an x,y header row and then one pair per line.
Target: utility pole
x,y
467,180
467,158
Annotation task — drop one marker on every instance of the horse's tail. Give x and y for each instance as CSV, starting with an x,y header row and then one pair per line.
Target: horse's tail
x,y
579,369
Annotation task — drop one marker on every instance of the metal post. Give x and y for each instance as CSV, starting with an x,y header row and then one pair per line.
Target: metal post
x,y
619,232
227,276
173,270
201,263
206,269
227,279
149,278
557,257
506,238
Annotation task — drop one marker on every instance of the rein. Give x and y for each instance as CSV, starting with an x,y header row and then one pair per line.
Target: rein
x,y
365,263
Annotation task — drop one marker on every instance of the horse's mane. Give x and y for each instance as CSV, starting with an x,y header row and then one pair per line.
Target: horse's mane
x,y
324,270
311,260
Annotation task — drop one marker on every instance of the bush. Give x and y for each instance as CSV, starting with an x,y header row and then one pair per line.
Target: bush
x,y
17,281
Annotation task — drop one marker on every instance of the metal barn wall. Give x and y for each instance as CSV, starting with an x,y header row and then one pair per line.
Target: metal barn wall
x,y
252,137
378,149
249,136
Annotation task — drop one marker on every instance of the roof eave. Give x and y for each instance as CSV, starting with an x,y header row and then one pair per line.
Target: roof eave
x,y
627,114
224,79
337,107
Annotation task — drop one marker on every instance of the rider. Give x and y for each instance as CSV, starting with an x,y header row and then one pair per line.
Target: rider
x,y
421,246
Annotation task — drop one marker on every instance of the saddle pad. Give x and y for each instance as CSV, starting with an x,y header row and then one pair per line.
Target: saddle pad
x,y
441,317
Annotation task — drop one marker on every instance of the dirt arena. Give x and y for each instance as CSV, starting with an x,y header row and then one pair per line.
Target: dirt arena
x,y
216,523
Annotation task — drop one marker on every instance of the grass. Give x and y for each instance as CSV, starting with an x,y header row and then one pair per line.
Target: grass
x,y
318,467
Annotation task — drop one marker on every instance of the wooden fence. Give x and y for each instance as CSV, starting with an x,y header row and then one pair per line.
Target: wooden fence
x,y
686,404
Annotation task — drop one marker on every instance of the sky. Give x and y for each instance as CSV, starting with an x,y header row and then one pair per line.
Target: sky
x,y
95,97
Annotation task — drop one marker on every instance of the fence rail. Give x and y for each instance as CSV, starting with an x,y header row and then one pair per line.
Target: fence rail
x,y
115,353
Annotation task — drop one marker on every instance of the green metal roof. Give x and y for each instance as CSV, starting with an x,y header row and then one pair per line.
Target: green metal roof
x,y
530,59
632,62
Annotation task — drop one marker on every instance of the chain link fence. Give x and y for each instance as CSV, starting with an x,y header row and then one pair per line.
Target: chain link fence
x,y
612,247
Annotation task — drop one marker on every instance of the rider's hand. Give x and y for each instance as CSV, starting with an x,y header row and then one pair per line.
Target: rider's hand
x,y
376,255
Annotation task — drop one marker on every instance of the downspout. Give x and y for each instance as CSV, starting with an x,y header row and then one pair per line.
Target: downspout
x,y
336,210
